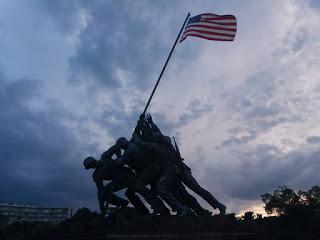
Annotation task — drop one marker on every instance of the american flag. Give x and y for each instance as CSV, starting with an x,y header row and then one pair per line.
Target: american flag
x,y
212,27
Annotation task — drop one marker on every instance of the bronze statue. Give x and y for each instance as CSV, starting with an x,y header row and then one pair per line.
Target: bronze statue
x,y
149,158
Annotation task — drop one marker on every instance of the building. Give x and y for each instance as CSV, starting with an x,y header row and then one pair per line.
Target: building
x,y
33,213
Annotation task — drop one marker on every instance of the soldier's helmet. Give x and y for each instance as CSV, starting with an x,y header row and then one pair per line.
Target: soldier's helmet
x,y
121,141
88,162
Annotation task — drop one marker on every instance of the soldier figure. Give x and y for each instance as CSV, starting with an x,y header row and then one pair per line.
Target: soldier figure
x,y
147,173
122,177
150,132
168,171
185,171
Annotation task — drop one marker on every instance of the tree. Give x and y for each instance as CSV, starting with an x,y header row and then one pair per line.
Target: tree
x,y
285,200
248,216
280,200
311,197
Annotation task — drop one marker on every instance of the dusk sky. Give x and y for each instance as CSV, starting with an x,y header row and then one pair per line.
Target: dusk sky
x,y
75,76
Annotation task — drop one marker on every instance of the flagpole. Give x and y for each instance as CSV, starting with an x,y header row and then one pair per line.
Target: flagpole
x,y
165,65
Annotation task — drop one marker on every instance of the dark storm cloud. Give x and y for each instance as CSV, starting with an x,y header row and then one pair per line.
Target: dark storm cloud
x,y
41,159
313,139
315,4
64,14
249,135
256,105
269,99
252,98
119,35
119,122
195,110
264,168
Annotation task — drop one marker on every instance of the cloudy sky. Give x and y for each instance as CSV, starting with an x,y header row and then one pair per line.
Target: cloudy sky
x,y
75,75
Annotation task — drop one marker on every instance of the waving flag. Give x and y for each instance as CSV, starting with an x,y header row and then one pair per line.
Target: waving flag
x,y
209,26
212,27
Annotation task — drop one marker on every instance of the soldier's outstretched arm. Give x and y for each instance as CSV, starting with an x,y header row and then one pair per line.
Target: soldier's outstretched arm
x,y
123,159
139,126
118,152
112,150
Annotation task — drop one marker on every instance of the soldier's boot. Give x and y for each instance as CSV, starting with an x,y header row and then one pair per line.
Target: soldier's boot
x,y
117,201
124,203
151,197
204,212
193,185
184,212
158,206
163,189
136,202
143,211
222,209
162,212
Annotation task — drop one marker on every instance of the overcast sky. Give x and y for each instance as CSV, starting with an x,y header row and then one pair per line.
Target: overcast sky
x,y
75,75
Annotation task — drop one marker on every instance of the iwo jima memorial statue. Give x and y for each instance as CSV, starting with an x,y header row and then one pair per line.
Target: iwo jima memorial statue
x,y
150,164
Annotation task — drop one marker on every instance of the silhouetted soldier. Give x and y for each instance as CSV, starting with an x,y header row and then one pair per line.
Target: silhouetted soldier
x,y
183,195
147,173
122,177
177,188
168,171
186,174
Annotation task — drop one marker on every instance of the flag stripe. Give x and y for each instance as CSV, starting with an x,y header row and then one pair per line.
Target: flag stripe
x,y
213,32
212,25
220,18
207,37
210,14
205,15
227,30
234,23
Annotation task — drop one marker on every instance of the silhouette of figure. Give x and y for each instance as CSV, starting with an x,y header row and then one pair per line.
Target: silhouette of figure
x,y
185,172
122,177
147,173
168,172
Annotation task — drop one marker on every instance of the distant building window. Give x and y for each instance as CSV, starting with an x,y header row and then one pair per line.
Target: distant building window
x,y
33,213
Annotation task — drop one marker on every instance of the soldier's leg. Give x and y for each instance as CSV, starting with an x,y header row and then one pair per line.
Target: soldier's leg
x,y
192,183
136,201
166,182
109,195
144,179
124,180
189,200
132,196
154,189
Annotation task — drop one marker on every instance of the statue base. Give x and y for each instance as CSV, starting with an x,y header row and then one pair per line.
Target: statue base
x,y
126,224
